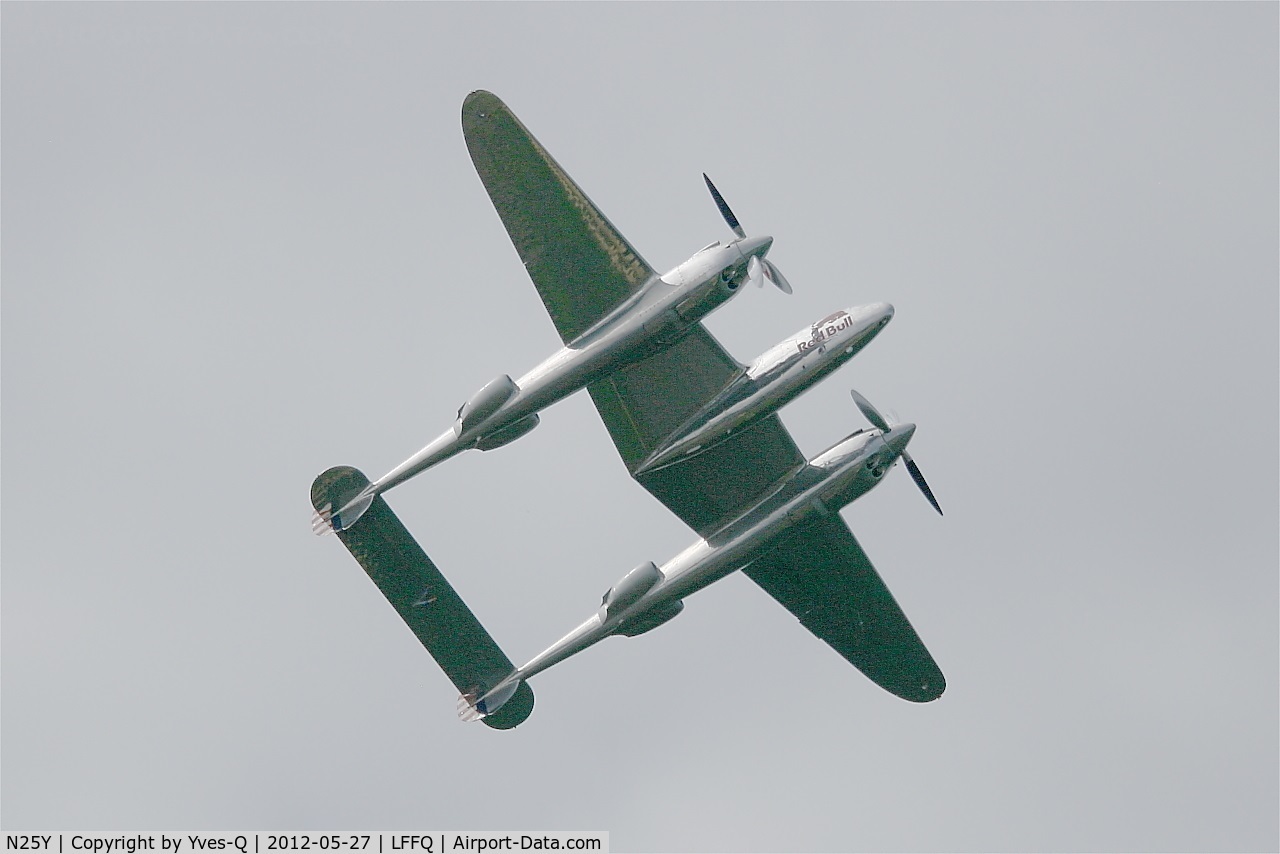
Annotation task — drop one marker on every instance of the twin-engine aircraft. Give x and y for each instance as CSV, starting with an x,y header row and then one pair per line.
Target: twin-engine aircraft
x,y
695,428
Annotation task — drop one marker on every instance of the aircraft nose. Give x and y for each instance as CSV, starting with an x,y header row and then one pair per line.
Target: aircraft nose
x,y
879,313
867,321
898,437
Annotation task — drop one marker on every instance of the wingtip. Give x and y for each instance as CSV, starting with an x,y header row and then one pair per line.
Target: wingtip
x,y
926,690
480,104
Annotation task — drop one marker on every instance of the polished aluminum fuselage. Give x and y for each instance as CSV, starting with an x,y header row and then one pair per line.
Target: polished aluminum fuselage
x,y
655,317
826,483
778,376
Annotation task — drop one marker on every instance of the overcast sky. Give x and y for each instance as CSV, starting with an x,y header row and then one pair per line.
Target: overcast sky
x,y
243,243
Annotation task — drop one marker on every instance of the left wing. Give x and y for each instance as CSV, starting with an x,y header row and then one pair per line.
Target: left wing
x,y
820,573
580,264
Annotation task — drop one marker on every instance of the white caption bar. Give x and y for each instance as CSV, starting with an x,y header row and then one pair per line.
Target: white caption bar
x,y
260,842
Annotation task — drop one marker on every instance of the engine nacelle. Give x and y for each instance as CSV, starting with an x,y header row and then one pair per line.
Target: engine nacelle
x,y
628,591
705,300
485,402
508,434
649,620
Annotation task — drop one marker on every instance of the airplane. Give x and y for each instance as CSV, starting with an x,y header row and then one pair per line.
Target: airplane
x,y
694,427
793,543
609,306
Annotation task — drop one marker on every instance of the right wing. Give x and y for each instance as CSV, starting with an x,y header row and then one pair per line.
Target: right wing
x,y
580,264
820,573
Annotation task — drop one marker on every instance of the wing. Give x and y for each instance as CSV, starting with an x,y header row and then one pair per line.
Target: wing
x,y
642,404
423,598
580,264
820,573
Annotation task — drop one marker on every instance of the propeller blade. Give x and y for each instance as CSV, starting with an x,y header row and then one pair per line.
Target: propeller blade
x,y
755,272
873,414
725,212
914,470
775,275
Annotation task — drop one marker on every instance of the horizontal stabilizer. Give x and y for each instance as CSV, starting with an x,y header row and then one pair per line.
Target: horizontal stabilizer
x,y
423,598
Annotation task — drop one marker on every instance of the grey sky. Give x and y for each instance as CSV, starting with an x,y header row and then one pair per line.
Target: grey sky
x,y
243,242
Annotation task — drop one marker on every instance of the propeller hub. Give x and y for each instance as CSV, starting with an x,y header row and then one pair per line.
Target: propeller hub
x,y
898,436
757,246
750,249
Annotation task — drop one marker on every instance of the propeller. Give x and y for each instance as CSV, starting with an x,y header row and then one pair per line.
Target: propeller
x,y
758,269
879,421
